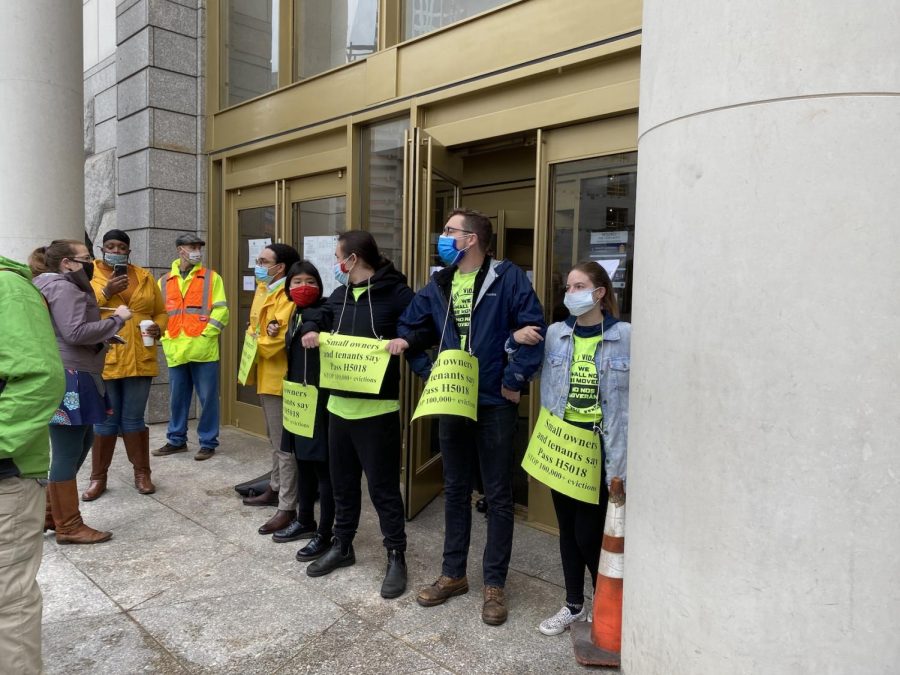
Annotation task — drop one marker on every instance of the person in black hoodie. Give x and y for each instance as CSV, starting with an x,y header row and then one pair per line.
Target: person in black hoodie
x,y
364,429
303,286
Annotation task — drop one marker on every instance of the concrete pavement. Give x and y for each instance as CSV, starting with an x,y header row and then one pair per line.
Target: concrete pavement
x,y
187,585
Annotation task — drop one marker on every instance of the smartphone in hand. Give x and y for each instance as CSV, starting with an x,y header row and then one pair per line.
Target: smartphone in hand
x,y
120,270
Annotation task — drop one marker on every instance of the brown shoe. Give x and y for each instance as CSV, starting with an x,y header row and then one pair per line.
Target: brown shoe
x,y
70,528
267,498
48,517
101,457
494,611
441,590
137,445
279,521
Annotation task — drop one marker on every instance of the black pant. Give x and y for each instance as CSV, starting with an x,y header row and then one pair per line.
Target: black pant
x,y
580,537
489,444
312,476
372,445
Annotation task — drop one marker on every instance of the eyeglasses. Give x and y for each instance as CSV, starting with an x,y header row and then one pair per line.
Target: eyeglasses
x,y
265,263
448,230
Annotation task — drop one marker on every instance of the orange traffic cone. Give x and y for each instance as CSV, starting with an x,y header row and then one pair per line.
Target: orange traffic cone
x,y
599,642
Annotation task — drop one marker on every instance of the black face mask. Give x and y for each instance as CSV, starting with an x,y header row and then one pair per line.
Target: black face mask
x,y
82,277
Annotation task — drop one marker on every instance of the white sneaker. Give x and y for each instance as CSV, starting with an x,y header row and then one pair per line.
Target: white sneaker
x,y
560,621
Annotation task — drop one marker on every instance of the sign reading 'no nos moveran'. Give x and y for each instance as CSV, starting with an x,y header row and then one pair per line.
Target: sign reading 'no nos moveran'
x,y
452,387
352,363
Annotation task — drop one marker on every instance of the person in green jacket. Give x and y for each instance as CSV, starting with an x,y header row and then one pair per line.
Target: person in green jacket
x,y
32,382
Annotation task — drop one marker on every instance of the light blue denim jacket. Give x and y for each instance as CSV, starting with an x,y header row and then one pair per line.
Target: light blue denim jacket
x,y
613,361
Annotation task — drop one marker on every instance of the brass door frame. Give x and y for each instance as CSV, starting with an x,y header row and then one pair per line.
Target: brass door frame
x,y
427,158
237,413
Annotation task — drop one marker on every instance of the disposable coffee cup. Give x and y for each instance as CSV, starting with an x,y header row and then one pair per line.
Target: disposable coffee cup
x,y
148,340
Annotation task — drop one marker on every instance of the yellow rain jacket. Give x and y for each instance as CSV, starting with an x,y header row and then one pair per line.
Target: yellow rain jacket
x,y
143,298
271,355
204,347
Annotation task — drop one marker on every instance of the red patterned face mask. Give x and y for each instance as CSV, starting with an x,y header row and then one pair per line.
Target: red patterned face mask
x,y
305,295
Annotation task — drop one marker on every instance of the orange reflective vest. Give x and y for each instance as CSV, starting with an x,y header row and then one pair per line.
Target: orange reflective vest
x,y
190,313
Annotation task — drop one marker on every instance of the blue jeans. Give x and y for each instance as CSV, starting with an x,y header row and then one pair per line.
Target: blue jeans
x,y
70,446
489,441
204,377
128,397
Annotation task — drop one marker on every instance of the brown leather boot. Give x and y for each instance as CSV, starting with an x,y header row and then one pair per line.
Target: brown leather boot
x,y
70,528
137,445
494,611
48,517
442,590
101,457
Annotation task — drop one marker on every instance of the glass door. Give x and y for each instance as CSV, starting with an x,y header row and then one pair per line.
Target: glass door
x,y
436,179
587,175
318,211
304,213
255,223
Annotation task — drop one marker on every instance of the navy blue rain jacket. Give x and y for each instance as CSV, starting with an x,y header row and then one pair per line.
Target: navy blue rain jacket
x,y
504,302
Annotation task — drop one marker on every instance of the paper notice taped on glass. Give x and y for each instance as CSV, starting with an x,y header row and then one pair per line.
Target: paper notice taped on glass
x,y
249,284
610,266
614,237
256,247
320,252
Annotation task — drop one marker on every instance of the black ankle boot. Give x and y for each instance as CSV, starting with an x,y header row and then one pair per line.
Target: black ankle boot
x,y
395,578
315,549
338,556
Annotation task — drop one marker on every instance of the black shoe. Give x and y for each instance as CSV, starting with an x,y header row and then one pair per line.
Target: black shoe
x,y
294,531
315,549
481,505
395,578
258,485
336,557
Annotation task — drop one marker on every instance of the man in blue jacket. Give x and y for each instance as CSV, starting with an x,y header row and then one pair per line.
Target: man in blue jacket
x,y
477,304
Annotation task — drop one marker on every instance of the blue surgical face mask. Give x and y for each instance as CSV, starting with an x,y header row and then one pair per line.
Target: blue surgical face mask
x,y
262,274
580,302
342,277
113,259
447,250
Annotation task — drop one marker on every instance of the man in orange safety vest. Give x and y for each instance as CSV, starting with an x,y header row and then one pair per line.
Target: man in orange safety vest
x,y
194,298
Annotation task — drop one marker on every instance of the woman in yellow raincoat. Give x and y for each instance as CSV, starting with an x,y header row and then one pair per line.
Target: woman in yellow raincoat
x,y
130,365
270,315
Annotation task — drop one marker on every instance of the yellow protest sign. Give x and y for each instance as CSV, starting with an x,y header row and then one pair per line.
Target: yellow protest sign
x,y
452,387
564,457
248,357
299,408
352,363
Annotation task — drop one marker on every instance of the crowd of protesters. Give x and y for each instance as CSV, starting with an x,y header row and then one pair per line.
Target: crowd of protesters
x,y
76,368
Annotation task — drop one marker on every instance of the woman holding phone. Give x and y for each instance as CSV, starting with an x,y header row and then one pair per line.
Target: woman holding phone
x,y
130,364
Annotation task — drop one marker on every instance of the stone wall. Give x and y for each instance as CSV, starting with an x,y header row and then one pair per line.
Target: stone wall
x,y
145,172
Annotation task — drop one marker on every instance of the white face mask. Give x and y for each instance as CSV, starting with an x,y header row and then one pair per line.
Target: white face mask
x,y
195,256
580,302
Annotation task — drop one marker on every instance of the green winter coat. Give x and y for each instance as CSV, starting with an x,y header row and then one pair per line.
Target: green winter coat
x,y
31,374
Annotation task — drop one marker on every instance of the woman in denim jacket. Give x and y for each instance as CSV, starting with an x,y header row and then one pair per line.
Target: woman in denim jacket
x,y
592,342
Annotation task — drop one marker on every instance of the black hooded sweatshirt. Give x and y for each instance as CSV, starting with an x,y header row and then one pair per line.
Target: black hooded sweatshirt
x,y
386,296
